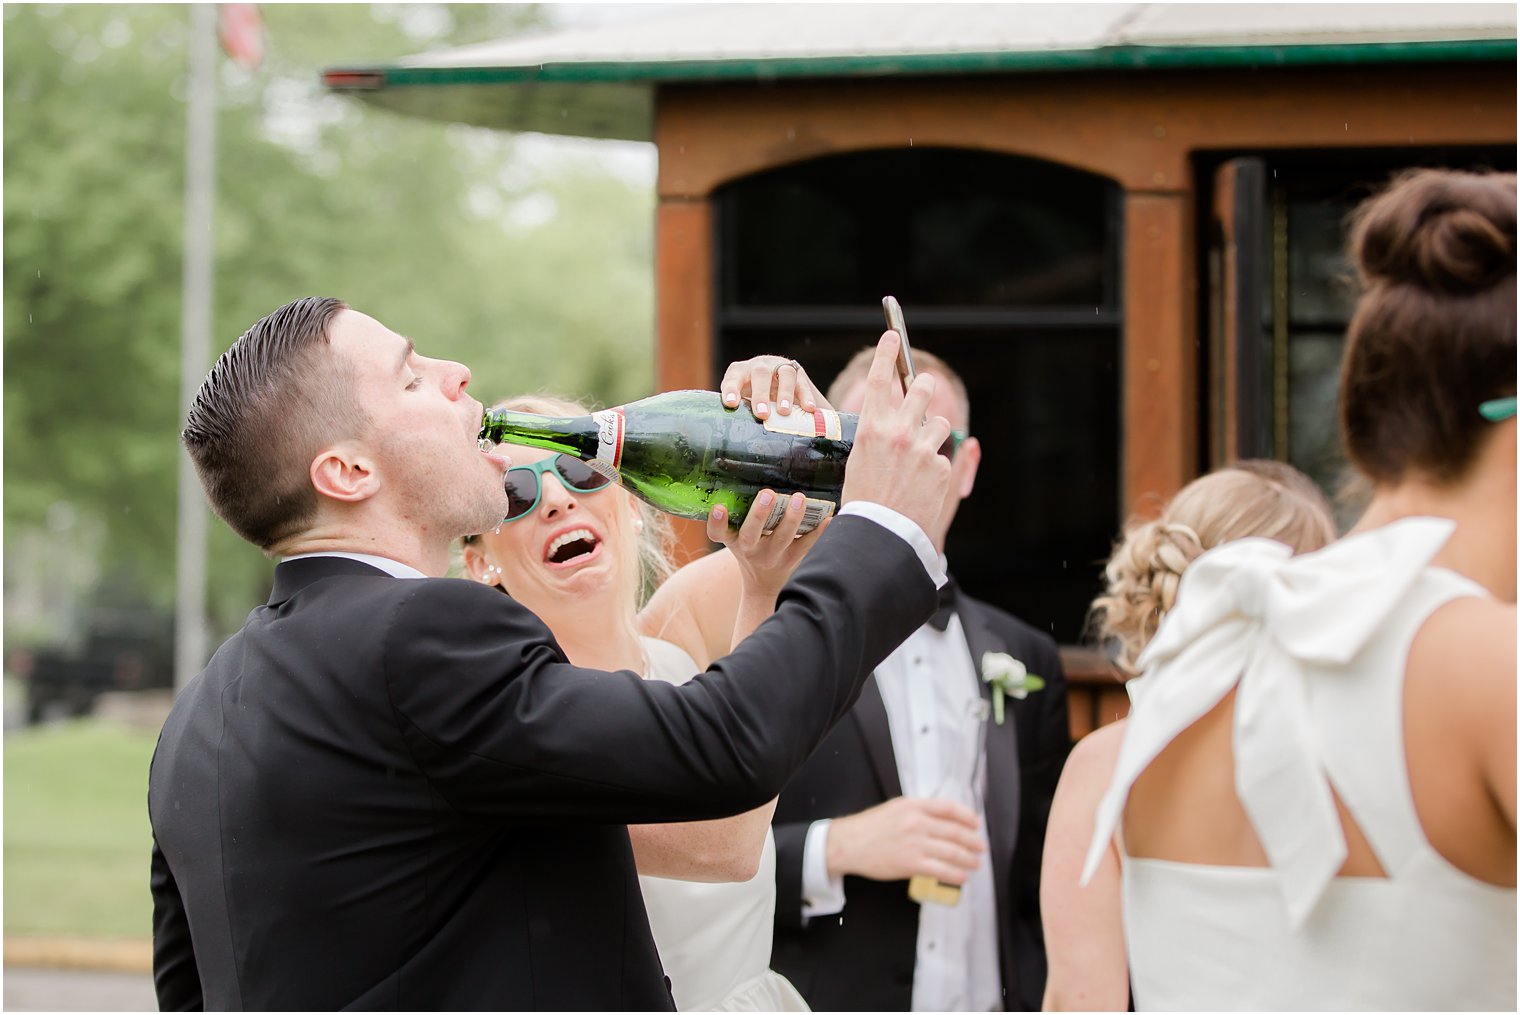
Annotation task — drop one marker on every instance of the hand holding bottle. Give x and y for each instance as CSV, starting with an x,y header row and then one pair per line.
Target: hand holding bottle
x,y
906,838
895,461
765,560
770,382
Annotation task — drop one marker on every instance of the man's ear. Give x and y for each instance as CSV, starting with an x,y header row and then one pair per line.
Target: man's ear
x,y
968,458
343,472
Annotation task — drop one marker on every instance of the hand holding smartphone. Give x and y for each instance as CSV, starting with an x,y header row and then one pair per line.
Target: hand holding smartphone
x,y
894,315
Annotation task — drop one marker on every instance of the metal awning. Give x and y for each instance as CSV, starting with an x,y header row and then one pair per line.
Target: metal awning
x,y
599,82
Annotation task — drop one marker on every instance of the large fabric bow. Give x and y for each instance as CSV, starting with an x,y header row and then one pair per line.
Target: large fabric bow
x,y
1250,614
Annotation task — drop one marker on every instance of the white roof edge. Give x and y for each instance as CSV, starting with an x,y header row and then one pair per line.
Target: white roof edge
x,y
717,32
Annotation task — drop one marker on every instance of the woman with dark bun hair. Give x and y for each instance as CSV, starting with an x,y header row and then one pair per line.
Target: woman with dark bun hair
x,y
1314,800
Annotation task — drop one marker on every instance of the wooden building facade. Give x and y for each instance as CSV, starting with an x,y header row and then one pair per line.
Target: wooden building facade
x,y
1121,223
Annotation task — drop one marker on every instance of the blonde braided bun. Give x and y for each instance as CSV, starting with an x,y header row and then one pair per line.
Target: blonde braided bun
x,y
1249,498
1143,576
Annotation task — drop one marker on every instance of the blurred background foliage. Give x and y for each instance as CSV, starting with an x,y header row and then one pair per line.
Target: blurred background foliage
x,y
533,268
77,838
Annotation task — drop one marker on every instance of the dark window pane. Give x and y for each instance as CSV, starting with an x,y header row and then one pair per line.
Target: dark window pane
x,y
1006,267
1321,283
931,226
1314,444
1321,295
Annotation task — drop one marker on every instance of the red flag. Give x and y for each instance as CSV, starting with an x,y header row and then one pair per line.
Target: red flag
x,y
241,29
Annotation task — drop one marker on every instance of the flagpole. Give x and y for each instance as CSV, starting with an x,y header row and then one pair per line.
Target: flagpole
x,y
195,337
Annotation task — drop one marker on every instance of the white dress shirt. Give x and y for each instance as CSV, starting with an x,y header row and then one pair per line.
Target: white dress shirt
x,y
394,568
935,713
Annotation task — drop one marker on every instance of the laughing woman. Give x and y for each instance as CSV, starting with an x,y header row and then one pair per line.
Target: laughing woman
x,y
576,551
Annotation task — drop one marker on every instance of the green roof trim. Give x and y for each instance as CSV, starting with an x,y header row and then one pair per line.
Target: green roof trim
x,y
1107,58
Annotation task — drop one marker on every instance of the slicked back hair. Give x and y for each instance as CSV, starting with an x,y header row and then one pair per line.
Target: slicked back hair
x,y
273,400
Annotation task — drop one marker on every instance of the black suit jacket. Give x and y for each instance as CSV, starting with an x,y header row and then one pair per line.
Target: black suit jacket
x,y
393,793
863,959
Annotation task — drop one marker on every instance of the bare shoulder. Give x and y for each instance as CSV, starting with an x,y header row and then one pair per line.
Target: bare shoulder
x,y
1073,811
704,578
1459,685
1469,640
1091,763
1459,734
696,606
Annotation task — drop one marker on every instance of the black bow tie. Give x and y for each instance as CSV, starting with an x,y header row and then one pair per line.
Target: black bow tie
x,y
947,594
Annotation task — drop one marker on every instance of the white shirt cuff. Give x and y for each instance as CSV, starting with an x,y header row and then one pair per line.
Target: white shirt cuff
x,y
821,894
907,529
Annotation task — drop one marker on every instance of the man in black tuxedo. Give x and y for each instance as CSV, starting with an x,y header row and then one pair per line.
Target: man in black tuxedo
x,y
885,798
390,789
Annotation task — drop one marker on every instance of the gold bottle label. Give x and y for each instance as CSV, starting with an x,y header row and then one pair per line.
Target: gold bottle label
x,y
799,423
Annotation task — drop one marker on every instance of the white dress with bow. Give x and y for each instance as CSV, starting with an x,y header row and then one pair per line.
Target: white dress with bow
x,y
1316,646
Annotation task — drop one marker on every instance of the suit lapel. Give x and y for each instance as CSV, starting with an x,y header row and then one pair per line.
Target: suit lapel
x,y
1002,797
870,714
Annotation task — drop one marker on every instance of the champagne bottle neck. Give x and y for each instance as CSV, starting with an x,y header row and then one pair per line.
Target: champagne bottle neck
x,y
571,435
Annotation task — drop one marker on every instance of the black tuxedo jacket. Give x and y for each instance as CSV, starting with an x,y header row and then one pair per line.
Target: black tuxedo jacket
x,y
396,793
863,958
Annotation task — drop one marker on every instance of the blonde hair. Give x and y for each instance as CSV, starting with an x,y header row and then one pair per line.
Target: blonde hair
x,y
1255,497
656,537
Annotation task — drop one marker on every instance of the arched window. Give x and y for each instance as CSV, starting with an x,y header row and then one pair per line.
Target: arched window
x,y
1007,268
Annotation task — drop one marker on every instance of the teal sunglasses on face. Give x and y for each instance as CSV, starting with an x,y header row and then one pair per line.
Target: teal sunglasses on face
x,y
1497,410
525,482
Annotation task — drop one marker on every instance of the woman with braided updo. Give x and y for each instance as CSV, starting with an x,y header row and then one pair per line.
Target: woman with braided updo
x,y
1084,936
1249,498
1314,799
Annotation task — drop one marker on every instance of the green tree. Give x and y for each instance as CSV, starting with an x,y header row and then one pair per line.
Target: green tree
x,y
538,278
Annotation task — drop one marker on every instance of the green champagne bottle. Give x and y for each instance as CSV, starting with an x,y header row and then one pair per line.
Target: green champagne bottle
x,y
684,451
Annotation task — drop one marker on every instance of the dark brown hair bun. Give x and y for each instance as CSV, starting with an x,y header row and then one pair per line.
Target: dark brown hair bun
x,y
1451,233
1433,336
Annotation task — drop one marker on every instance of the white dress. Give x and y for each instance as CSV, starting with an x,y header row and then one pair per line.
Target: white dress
x,y
1316,646
715,939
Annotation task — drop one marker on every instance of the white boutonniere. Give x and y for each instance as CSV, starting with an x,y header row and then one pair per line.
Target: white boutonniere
x,y
1007,676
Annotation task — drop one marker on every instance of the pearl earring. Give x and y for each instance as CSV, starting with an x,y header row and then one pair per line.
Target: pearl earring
x,y
638,524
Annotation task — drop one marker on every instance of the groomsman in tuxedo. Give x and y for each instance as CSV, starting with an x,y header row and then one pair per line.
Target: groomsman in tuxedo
x,y
884,799
913,783
390,789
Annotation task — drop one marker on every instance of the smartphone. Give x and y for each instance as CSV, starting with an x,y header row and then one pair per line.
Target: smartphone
x,y
894,314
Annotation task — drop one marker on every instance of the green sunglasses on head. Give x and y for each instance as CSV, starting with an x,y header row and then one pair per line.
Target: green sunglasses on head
x,y
1497,410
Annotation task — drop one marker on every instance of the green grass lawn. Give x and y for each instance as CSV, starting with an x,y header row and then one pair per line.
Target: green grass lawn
x,y
77,840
